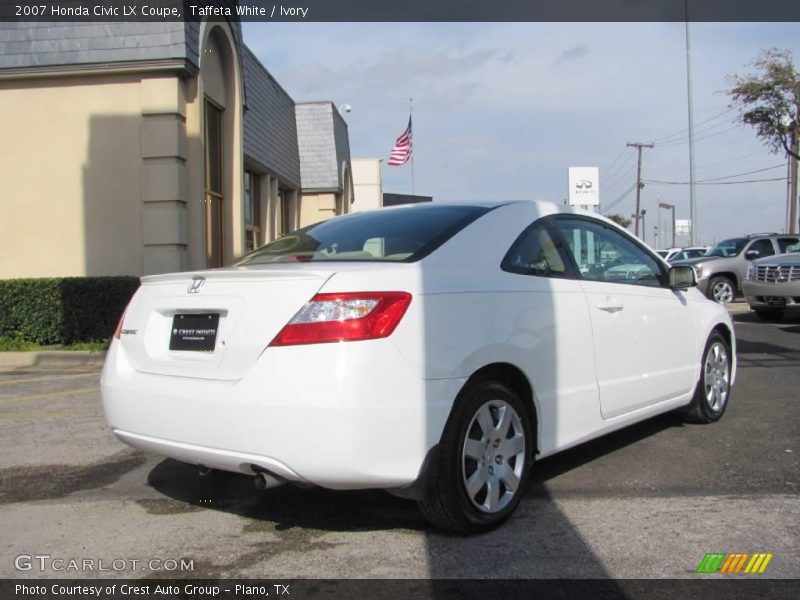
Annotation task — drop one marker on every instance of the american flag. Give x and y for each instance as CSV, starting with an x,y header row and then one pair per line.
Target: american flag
x,y
402,148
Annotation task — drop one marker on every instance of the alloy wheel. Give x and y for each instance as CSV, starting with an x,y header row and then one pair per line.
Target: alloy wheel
x,y
493,456
722,292
716,376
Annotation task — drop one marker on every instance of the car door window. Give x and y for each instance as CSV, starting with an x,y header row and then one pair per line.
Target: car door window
x,y
603,254
785,244
535,253
763,247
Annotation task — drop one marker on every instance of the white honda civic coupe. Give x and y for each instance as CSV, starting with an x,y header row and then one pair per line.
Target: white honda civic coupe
x,y
434,351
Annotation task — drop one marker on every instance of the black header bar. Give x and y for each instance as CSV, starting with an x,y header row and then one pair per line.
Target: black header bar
x,y
700,586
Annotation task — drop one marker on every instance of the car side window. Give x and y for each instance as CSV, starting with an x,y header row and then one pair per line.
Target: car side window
x,y
763,247
786,243
603,254
535,253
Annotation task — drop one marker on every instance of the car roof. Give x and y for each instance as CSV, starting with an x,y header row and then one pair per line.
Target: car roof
x,y
542,207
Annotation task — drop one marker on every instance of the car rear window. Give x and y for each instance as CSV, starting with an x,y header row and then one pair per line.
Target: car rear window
x,y
393,235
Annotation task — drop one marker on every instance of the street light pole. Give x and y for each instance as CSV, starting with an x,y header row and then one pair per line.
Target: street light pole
x,y
692,200
793,186
644,234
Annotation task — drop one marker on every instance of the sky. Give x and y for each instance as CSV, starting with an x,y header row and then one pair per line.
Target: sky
x,y
502,110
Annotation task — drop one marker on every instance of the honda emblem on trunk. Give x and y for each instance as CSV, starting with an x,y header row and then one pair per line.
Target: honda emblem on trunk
x,y
196,284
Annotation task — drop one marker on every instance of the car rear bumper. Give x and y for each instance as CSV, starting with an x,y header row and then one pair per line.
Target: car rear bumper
x,y
337,423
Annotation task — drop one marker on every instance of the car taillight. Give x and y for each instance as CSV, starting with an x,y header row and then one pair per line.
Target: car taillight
x,y
346,317
118,330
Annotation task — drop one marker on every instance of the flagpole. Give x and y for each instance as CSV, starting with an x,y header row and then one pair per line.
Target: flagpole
x,y
410,115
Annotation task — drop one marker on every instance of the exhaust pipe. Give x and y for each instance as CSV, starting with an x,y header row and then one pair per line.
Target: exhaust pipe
x,y
265,480
203,470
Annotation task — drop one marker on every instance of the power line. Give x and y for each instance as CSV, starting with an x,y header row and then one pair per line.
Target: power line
x,y
742,174
653,182
621,166
685,130
613,162
619,199
714,164
700,138
780,166
701,130
610,185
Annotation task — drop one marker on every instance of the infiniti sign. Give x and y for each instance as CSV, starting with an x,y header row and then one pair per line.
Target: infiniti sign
x,y
584,186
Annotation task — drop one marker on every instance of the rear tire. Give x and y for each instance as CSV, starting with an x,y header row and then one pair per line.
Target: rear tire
x,y
713,389
485,456
769,314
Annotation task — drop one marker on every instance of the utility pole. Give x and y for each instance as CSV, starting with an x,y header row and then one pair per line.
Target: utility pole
x,y
793,187
638,146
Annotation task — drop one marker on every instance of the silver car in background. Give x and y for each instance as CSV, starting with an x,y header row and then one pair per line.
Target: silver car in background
x,y
772,285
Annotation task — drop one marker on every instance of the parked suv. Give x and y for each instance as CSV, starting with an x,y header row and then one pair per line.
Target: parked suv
x,y
773,285
722,270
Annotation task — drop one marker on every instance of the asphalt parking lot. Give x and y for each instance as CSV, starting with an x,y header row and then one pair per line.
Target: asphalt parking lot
x,y
647,502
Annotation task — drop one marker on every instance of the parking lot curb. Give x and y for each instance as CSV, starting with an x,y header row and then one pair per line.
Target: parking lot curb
x,y
51,358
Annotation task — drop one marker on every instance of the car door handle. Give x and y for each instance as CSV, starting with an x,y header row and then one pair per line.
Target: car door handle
x,y
611,306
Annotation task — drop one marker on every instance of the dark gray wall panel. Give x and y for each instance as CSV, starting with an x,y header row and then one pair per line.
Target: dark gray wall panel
x,y
270,130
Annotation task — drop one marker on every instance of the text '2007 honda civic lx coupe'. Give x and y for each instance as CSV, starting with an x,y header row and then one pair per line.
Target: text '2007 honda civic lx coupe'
x,y
432,350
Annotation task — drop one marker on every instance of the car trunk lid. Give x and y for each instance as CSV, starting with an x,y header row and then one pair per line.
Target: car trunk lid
x,y
212,324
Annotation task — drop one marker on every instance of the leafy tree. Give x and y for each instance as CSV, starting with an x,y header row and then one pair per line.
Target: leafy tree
x,y
620,220
770,100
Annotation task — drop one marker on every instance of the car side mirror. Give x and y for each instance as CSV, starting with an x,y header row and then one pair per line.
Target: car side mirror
x,y
681,277
751,254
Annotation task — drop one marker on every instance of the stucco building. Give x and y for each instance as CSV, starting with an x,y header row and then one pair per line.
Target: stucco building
x,y
367,184
139,148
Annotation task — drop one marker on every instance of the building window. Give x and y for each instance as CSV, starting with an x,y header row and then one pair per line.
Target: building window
x,y
252,211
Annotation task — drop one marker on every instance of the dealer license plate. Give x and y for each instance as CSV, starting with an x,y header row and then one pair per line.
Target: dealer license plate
x,y
194,332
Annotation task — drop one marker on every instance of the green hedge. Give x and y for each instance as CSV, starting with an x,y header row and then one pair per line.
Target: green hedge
x,y
64,310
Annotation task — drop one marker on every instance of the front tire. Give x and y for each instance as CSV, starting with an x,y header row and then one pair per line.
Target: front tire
x,y
714,387
722,290
485,456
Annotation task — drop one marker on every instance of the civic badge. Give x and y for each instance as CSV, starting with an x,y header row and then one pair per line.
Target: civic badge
x,y
197,283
